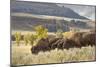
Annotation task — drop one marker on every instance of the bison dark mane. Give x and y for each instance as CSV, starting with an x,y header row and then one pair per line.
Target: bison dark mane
x,y
78,40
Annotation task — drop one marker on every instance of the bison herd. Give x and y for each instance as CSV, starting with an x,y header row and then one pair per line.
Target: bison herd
x,y
78,40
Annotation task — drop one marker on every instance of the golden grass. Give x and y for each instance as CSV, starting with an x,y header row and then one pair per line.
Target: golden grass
x,y
21,55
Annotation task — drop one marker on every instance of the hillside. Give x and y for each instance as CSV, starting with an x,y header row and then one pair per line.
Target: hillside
x,y
30,14
44,9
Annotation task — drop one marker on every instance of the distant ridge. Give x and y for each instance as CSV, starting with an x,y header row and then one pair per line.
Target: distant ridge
x,y
44,9
26,15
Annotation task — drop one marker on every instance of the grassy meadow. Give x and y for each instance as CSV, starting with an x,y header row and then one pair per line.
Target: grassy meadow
x,y
21,55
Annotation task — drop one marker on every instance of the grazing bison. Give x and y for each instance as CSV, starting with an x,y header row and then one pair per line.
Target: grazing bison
x,y
55,42
77,39
62,43
42,45
89,38
68,43
84,38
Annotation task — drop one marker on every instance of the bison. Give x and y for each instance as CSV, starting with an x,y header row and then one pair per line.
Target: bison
x,y
89,38
68,43
77,39
55,42
42,45
84,38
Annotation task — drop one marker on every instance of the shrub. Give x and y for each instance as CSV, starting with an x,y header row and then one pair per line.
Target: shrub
x,y
41,32
26,39
31,39
17,37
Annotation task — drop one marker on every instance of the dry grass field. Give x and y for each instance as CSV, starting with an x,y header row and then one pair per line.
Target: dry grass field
x,y
21,55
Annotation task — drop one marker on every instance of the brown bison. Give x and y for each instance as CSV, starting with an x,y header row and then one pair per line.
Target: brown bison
x,y
42,45
84,38
55,42
78,39
89,38
62,43
68,43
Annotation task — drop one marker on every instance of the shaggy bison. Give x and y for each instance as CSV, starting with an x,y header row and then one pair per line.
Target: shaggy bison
x,y
54,43
78,39
84,38
42,45
61,43
68,43
89,39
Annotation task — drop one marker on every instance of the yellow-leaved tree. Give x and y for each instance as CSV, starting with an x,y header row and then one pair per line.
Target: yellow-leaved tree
x,y
17,36
41,32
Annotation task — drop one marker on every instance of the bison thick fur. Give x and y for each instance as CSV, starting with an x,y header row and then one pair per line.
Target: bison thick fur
x,y
68,43
42,45
78,39
84,38
89,39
